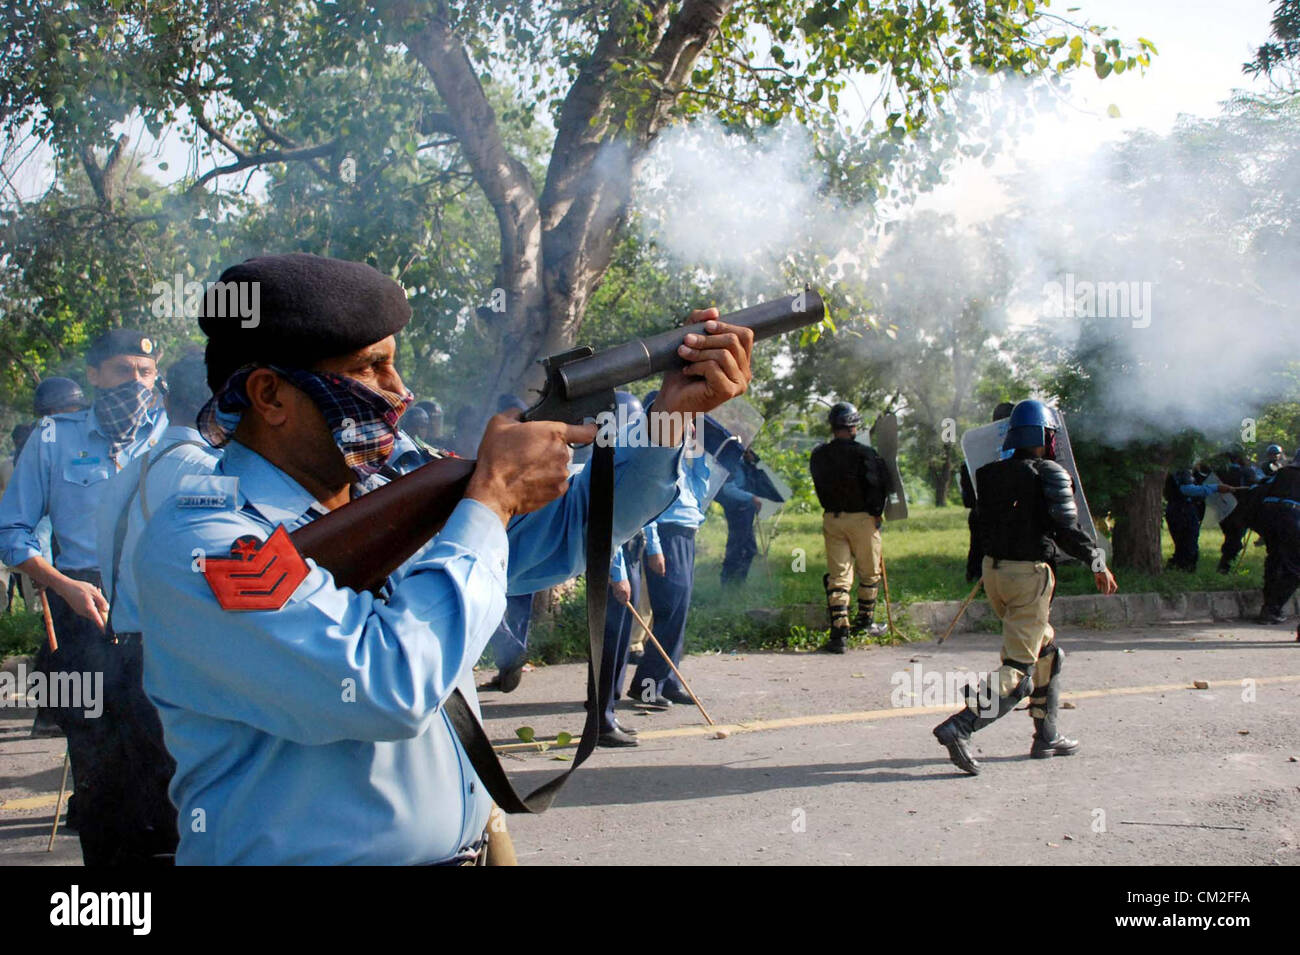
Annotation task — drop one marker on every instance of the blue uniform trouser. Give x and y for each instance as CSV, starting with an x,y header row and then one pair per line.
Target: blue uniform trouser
x,y
670,599
618,637
741,546
100,767
510,642
1185,528
1280,524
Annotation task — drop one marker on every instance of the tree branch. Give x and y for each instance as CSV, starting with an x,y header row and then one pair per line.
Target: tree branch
x,y
470,118
263,159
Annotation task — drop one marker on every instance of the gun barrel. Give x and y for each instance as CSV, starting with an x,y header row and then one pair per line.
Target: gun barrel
x,y
632,361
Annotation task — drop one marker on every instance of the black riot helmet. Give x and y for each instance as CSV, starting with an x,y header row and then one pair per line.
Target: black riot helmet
x,y
844,415
58,394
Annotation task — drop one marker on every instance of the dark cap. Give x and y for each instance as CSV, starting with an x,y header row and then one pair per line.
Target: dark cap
x,y
57,394
304,308
121,341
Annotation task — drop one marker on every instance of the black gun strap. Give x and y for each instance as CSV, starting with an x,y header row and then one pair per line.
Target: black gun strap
x,y
600,530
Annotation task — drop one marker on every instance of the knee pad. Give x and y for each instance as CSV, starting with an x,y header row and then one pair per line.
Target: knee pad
x,y
1014,681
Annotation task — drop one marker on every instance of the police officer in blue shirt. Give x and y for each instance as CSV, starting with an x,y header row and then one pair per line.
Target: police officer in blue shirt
x,y
671,580
62,472
148,822
315,733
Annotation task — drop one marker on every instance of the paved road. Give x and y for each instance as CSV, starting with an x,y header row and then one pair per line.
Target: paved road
x,y
868,783
822,766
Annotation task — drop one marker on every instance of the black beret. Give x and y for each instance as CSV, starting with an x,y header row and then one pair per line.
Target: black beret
x,y
121,341
296,310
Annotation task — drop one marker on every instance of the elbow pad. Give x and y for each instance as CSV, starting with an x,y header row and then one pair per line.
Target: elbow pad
x,y
1058,490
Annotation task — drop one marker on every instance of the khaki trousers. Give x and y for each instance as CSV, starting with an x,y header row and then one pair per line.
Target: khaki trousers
x,y
852,539
1020,592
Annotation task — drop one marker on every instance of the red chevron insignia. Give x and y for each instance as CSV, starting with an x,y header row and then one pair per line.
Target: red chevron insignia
x,y
257,575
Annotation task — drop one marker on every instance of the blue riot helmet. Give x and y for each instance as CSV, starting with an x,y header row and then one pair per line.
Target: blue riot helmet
x,y
416,422
629,404
58,394
1273,451
1032,424
650,397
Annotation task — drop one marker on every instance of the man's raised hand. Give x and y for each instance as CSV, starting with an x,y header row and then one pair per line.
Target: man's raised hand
x,y
524,465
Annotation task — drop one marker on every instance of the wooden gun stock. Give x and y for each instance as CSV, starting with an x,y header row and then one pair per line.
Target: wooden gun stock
x,y
364,542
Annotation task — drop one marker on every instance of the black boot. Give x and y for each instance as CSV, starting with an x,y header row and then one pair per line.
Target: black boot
x,y
839,619
1048,741
1271,615
954,733
864,622
836,642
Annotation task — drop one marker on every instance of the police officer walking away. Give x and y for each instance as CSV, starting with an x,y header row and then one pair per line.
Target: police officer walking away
x,y
853,484
1027,515
63,472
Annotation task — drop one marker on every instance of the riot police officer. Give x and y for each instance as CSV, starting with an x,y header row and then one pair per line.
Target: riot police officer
x,y
1278,520
1027,516
852,483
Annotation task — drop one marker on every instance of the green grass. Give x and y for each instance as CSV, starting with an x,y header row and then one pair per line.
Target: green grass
x,y
20,632
925,558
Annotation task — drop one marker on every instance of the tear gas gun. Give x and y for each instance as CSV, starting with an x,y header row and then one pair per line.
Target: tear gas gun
x,y
367,539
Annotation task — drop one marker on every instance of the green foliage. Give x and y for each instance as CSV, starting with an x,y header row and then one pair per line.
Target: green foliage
x,y
21,633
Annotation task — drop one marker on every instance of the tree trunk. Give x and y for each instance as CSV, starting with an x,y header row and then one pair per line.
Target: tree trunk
x,y
943,478
1138,515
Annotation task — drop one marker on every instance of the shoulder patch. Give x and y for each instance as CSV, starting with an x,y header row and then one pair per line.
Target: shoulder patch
x,y
215,491
259,575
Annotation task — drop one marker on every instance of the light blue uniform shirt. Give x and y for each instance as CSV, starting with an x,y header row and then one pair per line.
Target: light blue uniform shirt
x,y
316,733
62,472
170,460
692,492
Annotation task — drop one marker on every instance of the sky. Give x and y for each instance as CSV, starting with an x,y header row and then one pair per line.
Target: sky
x,y
1202,45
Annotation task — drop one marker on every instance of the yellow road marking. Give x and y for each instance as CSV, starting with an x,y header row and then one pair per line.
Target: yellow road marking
x,y
43,801
894,712
47,800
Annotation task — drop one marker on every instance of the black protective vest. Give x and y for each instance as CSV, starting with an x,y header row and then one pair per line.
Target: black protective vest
x,y
1015,518
849,476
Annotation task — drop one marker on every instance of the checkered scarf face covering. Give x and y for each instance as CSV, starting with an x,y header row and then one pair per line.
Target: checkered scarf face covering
x,y
121,412
362,420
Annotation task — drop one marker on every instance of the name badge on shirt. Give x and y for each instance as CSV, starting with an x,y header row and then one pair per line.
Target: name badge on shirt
x,y
207,491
